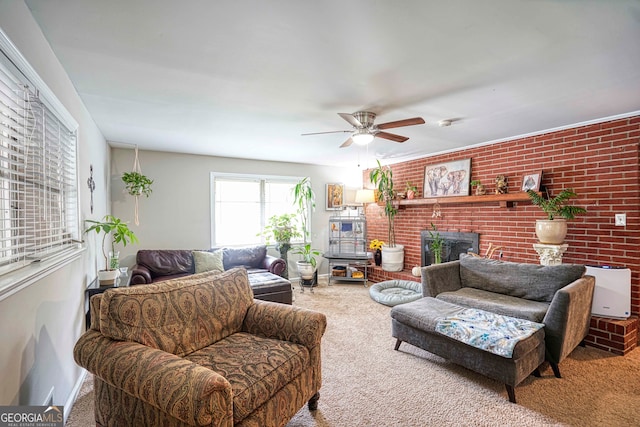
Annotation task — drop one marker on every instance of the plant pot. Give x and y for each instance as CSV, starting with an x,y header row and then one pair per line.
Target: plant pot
x,y
305,270
393,258
551,232
108,277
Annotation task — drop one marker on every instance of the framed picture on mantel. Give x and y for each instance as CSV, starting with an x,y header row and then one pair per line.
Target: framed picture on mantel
x,y
532,181
447,179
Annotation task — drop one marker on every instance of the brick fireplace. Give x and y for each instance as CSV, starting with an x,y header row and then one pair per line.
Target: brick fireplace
x,y
600,161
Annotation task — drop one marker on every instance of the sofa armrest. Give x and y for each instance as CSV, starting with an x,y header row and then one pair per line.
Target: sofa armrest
x,y
285,322
438,278
274,265
567,320
176,386
140,275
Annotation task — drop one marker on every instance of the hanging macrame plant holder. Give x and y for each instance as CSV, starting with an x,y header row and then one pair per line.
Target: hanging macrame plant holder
x,y
136,168
137,184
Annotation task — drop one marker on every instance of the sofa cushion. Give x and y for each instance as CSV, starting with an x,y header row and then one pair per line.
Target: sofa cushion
x,y
166,262
256,367
208,261
530,281
497,303
178,316
248,257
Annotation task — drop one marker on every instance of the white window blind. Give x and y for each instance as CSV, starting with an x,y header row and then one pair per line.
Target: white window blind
x,y
38,175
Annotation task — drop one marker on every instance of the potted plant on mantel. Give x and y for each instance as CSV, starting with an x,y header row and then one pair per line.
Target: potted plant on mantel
x,y
120,233
392,254
553,230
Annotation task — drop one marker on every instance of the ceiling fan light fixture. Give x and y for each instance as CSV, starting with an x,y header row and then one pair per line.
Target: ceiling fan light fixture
x,y
362,137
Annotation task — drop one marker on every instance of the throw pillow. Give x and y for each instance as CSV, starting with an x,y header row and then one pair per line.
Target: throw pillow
x,y
208,261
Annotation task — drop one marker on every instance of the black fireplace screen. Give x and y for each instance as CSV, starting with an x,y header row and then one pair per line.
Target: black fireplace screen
x,y
454,244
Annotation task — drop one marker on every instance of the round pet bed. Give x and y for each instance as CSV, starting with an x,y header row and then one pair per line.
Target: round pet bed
x,y
394,292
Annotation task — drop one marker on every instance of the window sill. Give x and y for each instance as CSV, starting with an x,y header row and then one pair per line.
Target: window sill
x,y
15,281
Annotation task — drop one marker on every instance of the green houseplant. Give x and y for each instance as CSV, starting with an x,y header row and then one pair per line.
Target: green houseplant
x,y
137,184
120,233
307,265
411,190
436,245
553,230
480,190
304,200
392,254
281,228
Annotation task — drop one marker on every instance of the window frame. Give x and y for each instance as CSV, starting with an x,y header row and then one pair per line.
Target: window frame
x,y
14,279
262,178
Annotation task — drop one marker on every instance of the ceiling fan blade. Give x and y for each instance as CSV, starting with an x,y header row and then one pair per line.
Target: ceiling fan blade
x,y
347,143
352,120
391,136
332,131
400,123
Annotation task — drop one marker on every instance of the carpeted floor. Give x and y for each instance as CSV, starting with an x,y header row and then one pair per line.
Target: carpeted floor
x,y
367,383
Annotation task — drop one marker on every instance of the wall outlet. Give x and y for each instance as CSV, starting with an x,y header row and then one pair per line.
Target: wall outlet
x,y
621,220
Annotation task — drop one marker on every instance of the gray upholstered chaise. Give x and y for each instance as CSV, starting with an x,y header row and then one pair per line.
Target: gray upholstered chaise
x,y
558,296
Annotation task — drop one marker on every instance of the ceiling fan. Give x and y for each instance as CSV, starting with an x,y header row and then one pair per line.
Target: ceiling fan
x,y
364,130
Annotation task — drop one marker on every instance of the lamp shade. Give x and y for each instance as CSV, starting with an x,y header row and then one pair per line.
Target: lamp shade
x,y
365,196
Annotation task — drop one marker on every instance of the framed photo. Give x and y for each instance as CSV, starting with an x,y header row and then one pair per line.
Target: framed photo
x,y
335,197
447,179
531,181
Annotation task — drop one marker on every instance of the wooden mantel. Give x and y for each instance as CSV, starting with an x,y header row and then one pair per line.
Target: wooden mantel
x,y
504,200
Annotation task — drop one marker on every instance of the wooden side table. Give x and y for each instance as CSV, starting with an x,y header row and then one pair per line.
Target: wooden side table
x,y
94,288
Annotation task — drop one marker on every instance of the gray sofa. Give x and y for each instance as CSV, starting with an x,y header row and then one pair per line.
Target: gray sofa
x,y
558,296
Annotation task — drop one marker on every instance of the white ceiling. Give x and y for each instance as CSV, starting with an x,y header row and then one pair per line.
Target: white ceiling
x,y
245,78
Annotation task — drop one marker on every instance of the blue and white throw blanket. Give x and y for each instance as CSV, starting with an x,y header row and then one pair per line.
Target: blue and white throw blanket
x,y
491,332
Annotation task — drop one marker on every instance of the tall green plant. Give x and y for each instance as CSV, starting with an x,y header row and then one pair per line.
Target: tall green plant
x,y
557,206
304,199
382,178
120,232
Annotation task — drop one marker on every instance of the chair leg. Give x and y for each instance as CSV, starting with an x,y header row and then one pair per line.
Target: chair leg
x,y
313,402
556,369
398,342
511,392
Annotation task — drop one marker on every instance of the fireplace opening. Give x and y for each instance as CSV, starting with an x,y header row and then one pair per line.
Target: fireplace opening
x,y
454,244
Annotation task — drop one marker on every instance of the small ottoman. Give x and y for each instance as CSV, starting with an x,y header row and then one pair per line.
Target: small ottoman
x,y
394,292
500,347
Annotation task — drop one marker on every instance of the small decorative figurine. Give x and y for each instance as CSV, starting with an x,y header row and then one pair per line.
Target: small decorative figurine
x,y
501,185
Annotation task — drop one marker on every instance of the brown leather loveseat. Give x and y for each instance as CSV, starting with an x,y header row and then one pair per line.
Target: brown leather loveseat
x,y
265,271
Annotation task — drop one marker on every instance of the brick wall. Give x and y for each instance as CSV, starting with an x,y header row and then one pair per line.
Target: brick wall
x,y
599,161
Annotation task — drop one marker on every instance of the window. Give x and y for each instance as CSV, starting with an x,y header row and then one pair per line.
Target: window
x,y
243,204
38,171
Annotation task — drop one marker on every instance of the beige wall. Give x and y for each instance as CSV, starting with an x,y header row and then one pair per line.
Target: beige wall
x,y
40,324
177,214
